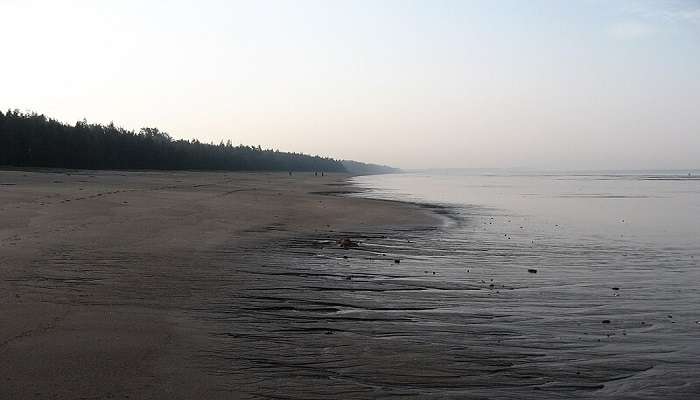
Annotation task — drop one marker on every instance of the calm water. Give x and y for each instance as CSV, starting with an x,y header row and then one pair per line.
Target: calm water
x,y
613,310
659,209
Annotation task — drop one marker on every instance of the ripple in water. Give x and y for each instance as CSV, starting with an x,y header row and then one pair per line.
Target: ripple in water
x,y
537,287
543,285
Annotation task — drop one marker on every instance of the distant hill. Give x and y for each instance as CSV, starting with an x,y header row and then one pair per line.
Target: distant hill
x,y
33,140
359,168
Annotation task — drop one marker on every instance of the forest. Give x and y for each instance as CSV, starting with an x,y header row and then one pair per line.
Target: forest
x,y
28,139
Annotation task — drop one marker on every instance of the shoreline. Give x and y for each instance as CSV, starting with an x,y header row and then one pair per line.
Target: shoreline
x,y
219,286
110,278
444,212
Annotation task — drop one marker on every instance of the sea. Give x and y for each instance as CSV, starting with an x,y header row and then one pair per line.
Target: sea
x,y
540,284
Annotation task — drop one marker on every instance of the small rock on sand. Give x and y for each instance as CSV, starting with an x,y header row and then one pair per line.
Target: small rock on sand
x,y
532,270
346,243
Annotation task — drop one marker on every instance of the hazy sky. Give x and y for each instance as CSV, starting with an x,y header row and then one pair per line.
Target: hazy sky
x,y
553,84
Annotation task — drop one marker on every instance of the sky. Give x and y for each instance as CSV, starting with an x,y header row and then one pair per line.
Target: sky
x,y
586,84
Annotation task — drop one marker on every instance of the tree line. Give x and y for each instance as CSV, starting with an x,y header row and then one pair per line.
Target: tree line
x,y
28,139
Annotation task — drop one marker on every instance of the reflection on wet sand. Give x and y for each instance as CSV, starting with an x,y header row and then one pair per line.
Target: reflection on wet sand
x,y
460,316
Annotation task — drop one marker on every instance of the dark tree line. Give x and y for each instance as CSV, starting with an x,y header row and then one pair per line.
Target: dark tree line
x,y
32,140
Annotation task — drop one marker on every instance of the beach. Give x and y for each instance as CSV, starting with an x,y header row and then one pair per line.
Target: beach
x,y
113,283
265,285
467,200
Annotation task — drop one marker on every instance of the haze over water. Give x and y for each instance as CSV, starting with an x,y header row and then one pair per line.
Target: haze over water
x,y
609,308
659,208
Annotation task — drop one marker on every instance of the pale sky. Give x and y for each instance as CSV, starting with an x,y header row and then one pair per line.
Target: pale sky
x,y
589,84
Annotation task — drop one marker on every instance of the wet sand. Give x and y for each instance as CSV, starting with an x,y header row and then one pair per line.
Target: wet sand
x,y
221,286
139,284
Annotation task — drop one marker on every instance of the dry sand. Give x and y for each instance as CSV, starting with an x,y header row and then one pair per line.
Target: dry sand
x,y
108,279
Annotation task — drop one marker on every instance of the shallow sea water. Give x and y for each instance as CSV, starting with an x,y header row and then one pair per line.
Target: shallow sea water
x,y
613,309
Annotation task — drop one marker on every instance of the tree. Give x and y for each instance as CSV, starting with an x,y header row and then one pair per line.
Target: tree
x,y
32,140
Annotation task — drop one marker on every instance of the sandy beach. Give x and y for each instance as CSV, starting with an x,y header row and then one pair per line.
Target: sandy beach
x,y
189,285
289,200
112,282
